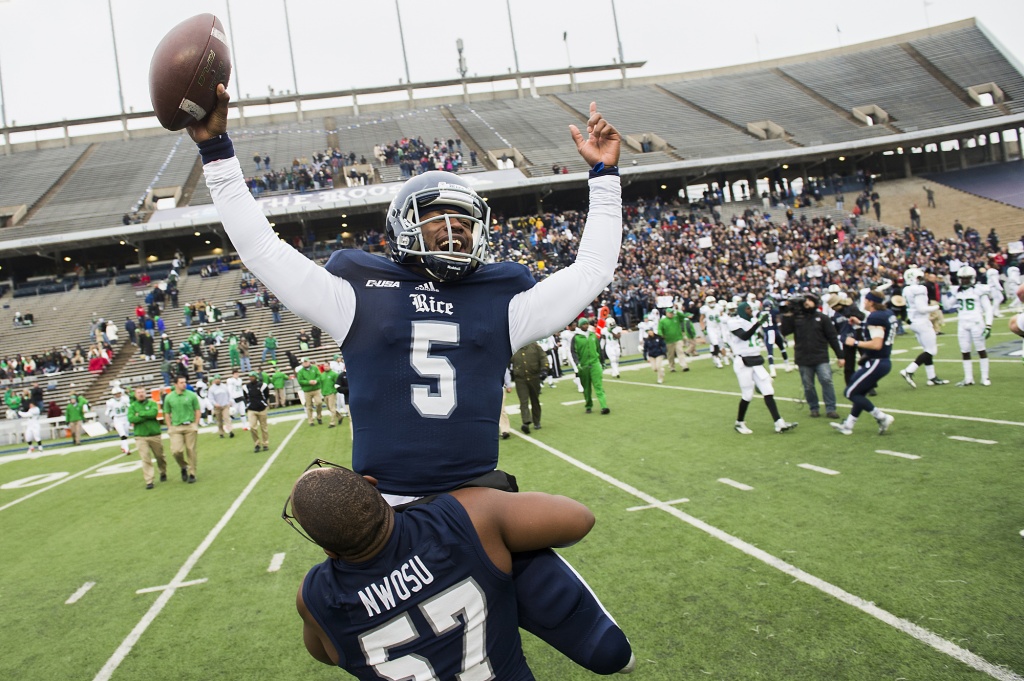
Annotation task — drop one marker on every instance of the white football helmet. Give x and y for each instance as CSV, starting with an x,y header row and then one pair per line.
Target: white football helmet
x,y
710,301
966,276
610,322
914,275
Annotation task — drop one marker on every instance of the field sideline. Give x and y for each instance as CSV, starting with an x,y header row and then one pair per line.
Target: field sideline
x,y
808,555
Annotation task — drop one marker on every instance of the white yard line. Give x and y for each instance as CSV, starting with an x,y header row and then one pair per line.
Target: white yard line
x,y
647,506
179,579
963,438
899,454
6,506
276,562
163,587
817,469
573,403
707,391
82,590
737,485
918,632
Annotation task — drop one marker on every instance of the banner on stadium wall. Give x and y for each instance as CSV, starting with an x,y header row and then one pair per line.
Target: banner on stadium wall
x,y
704,242
771,258
369,194
780,275
1015,247
814,271
835,265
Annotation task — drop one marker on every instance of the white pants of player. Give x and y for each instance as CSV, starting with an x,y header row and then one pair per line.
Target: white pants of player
x,y
121,426
614,352
751,377
925,333
714,338
32,433
969,333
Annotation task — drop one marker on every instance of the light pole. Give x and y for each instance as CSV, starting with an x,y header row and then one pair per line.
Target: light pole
x,y
3,103
405,58
618,39
117,66
291,55
462,60
234,54
515,54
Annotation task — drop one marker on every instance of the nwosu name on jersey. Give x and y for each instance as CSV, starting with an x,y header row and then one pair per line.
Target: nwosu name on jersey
x,y
426,367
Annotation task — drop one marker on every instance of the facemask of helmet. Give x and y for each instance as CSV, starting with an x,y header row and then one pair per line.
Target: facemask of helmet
x,y
433,191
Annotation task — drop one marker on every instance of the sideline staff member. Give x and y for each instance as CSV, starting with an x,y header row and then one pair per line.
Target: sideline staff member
x,y
146,428
181,414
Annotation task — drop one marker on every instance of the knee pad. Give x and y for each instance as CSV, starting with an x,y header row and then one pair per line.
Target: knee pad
x,y
557,606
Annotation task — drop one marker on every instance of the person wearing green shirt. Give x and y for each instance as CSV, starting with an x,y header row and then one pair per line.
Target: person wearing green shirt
x,y
277,380
308,377
689,333
142,414
13,402
330,393
670,328
234,353
181,414
269,348
74,414
587,357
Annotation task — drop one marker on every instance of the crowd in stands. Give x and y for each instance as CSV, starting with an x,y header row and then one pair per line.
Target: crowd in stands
x,y
678,250
414,156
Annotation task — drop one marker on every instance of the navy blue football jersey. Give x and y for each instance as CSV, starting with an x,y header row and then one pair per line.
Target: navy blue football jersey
x,y
430,605
887,320
426,362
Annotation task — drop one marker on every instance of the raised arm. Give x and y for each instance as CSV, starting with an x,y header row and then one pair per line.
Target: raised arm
x,y
550,305
304,287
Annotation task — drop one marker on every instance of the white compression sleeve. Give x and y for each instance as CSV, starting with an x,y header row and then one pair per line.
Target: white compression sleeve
x,y
304,287
548,306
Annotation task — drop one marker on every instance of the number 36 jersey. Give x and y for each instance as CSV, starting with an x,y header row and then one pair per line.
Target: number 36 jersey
x,y
426,361
431,605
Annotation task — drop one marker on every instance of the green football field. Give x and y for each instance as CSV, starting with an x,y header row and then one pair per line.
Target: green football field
x,y
722,556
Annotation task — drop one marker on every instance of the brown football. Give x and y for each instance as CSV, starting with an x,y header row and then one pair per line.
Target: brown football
x,y
189,63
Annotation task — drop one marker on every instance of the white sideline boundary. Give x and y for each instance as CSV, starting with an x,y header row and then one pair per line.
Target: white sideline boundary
x,y
906,626
133,637
779,398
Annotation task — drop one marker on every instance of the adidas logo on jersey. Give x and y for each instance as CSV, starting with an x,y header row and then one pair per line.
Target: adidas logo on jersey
x,y
381,283
429,286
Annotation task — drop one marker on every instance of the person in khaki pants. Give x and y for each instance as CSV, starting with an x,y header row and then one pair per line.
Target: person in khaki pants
x,y
330,394
256,395
181,414
220,397
308,377
142,414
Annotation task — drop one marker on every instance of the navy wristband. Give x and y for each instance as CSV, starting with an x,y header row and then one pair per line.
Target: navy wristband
x,y
600,170
216,149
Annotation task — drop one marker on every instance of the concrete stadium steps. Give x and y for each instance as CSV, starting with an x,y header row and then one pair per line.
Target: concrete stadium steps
x,y
27,177
951,204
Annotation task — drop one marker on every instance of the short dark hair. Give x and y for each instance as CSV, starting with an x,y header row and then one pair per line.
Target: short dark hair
x,y
339,509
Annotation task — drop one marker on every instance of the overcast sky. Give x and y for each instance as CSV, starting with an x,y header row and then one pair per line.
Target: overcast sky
x,y
57,57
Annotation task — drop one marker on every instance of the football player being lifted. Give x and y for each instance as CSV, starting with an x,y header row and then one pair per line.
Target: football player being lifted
x,y
973,322
918,310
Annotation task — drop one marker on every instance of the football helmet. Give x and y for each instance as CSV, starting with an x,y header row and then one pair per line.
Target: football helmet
x,y
610,321
432,191
730,307
914,275
710,301
966,276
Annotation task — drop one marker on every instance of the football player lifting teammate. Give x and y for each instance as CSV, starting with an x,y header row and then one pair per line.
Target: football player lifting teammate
x,y
427,335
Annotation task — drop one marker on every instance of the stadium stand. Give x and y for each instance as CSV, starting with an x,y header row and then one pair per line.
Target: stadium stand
x,y
26,177
907,92
765,95
1003,182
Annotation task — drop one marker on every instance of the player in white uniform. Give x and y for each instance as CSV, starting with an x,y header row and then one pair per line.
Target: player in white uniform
x,y
235,386
724,312
995,290
1010,287
612,346
973,321
709,321
117,412
918,310
30,421
745,340
566,335
205,405
550,348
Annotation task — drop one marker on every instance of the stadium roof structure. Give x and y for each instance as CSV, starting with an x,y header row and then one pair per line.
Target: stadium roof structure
x,y
951,82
